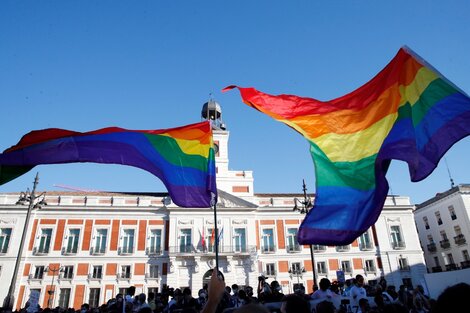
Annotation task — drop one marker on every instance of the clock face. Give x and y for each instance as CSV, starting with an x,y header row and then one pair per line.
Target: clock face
x,y
216,148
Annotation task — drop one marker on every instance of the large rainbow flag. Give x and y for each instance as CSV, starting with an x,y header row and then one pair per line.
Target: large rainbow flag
x,y
407,112
183,157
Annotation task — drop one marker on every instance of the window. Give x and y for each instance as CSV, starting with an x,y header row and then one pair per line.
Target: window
x,y
436,261
395,233
125,271
369,266
155,241
346,266
185,240
364,241
123,291
45,240
72,241
450,258
466,256
127,241
438,218
270,269
239,240
97,272
452,212
101,238
64,298
443,235
94,299
430,239
67,272
38,272
321,268
403,264
458,230
426,222
153,271
268,240
5,235
292,244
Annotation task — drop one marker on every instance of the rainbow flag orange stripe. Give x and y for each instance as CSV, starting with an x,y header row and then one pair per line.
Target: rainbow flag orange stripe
x,y
407,112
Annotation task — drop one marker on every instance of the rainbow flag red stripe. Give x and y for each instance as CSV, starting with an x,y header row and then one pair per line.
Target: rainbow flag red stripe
x,y
407,112
183,157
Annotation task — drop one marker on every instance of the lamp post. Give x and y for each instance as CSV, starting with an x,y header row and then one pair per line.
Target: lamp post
x,y
52,289
296,272
305,206
30,199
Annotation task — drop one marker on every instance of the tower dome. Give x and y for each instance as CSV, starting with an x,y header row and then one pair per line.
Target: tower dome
x,y
212,111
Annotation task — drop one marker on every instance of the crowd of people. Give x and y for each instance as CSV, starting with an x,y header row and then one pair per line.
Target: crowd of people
x,y
216,297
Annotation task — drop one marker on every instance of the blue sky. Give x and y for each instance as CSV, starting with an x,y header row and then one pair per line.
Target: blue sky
x,y
83,65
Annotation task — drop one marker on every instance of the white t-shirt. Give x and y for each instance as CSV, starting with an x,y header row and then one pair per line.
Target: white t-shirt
x,y
356,294
326,295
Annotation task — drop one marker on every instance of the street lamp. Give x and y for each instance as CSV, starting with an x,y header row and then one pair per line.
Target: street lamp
x,y
305,206
296,272
26,198
52,290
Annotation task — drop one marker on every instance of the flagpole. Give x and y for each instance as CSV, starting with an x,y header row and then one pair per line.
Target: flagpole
x,y
216,238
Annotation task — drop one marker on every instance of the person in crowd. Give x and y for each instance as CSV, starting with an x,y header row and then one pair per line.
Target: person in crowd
x,y
325,307
252,308
202,297
420,302
176,301
364,306
216,291
295,304
324,293
188,302
403,295
234,298
357,291
276,294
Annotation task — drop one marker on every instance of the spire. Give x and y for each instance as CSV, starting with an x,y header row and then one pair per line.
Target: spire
x,y
211,111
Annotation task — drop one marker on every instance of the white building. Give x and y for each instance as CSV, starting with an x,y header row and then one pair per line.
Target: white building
x,y
444,226
90,246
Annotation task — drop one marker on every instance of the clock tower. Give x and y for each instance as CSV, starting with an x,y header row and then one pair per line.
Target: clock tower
x,y
238,183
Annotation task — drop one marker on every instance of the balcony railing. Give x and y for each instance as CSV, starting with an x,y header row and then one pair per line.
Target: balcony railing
x,y
125,250
465,264
153,251
432,247
398,245
68,251
404,268
270,273
151,276
370,269
37,251
445,244
123,276
97,277
268,249
367,246
342,248
319,248
38,278
190,249
347,270
293,248
97,250
460,239
436,269
65,277
451,267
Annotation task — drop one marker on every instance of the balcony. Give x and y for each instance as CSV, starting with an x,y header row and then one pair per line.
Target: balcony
x,y
239,250
35,278
460,239
342,248
38,251
95,277
319,248
398,245
65,276
153,251
465,264
404,268
270,273
451,267
367,246
151,276
445,244
436,269
293,248
97,250
268,249
120,276
347,270
125,250
370,270
432,247
68,251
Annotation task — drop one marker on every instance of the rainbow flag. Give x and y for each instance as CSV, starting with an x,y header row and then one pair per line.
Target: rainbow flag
x,y
183,157
407,112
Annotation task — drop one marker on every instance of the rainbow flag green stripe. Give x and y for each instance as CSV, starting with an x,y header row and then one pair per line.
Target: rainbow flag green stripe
x,y
183,157
407,112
